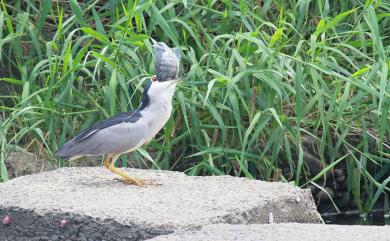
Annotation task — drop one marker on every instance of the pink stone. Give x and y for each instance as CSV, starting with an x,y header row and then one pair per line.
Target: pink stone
x,y
6,220
63,223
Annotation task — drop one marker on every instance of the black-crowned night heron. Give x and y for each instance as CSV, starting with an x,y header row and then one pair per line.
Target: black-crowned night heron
x,y
128,131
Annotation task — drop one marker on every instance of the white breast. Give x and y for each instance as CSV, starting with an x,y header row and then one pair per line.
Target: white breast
x,y
153,120
155,117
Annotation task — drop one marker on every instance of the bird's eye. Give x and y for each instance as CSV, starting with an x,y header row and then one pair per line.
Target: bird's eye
x,y
154,78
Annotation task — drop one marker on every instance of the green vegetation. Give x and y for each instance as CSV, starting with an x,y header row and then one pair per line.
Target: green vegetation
x,y
258,82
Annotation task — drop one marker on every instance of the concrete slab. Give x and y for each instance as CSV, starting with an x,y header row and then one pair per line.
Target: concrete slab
x,y
281,232
85,203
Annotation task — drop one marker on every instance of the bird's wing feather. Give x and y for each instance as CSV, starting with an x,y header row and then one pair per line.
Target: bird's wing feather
x,y
131,116
117,138
102,136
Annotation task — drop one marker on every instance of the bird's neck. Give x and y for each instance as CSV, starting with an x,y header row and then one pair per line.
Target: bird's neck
x,y
156,114
162,102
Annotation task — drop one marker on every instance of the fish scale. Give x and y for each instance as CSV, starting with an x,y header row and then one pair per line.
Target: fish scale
x,y
166,61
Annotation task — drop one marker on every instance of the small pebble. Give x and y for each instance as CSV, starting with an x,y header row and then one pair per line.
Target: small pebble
x,y
339,194
344,200
298,199
344,185
63,223
323,195
54,237
6,220
270,218
313,189
338,172
340,179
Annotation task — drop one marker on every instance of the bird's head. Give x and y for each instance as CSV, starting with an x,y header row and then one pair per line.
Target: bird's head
x,y
157,91
167,61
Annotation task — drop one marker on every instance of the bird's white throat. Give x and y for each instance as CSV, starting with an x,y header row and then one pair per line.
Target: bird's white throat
x,y
159,109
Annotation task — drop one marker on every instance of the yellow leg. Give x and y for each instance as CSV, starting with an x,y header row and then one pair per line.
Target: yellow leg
x,y
109,163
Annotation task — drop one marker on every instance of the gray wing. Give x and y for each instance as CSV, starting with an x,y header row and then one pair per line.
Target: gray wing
x,y
115,135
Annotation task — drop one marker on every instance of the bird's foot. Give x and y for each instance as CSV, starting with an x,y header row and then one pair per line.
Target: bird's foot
x,y
137,181
129,179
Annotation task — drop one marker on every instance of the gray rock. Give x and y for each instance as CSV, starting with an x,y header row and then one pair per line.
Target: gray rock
x,y
282,232
19,163
96,207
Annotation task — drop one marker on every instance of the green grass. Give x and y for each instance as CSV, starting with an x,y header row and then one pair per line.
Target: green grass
x,y
257,80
